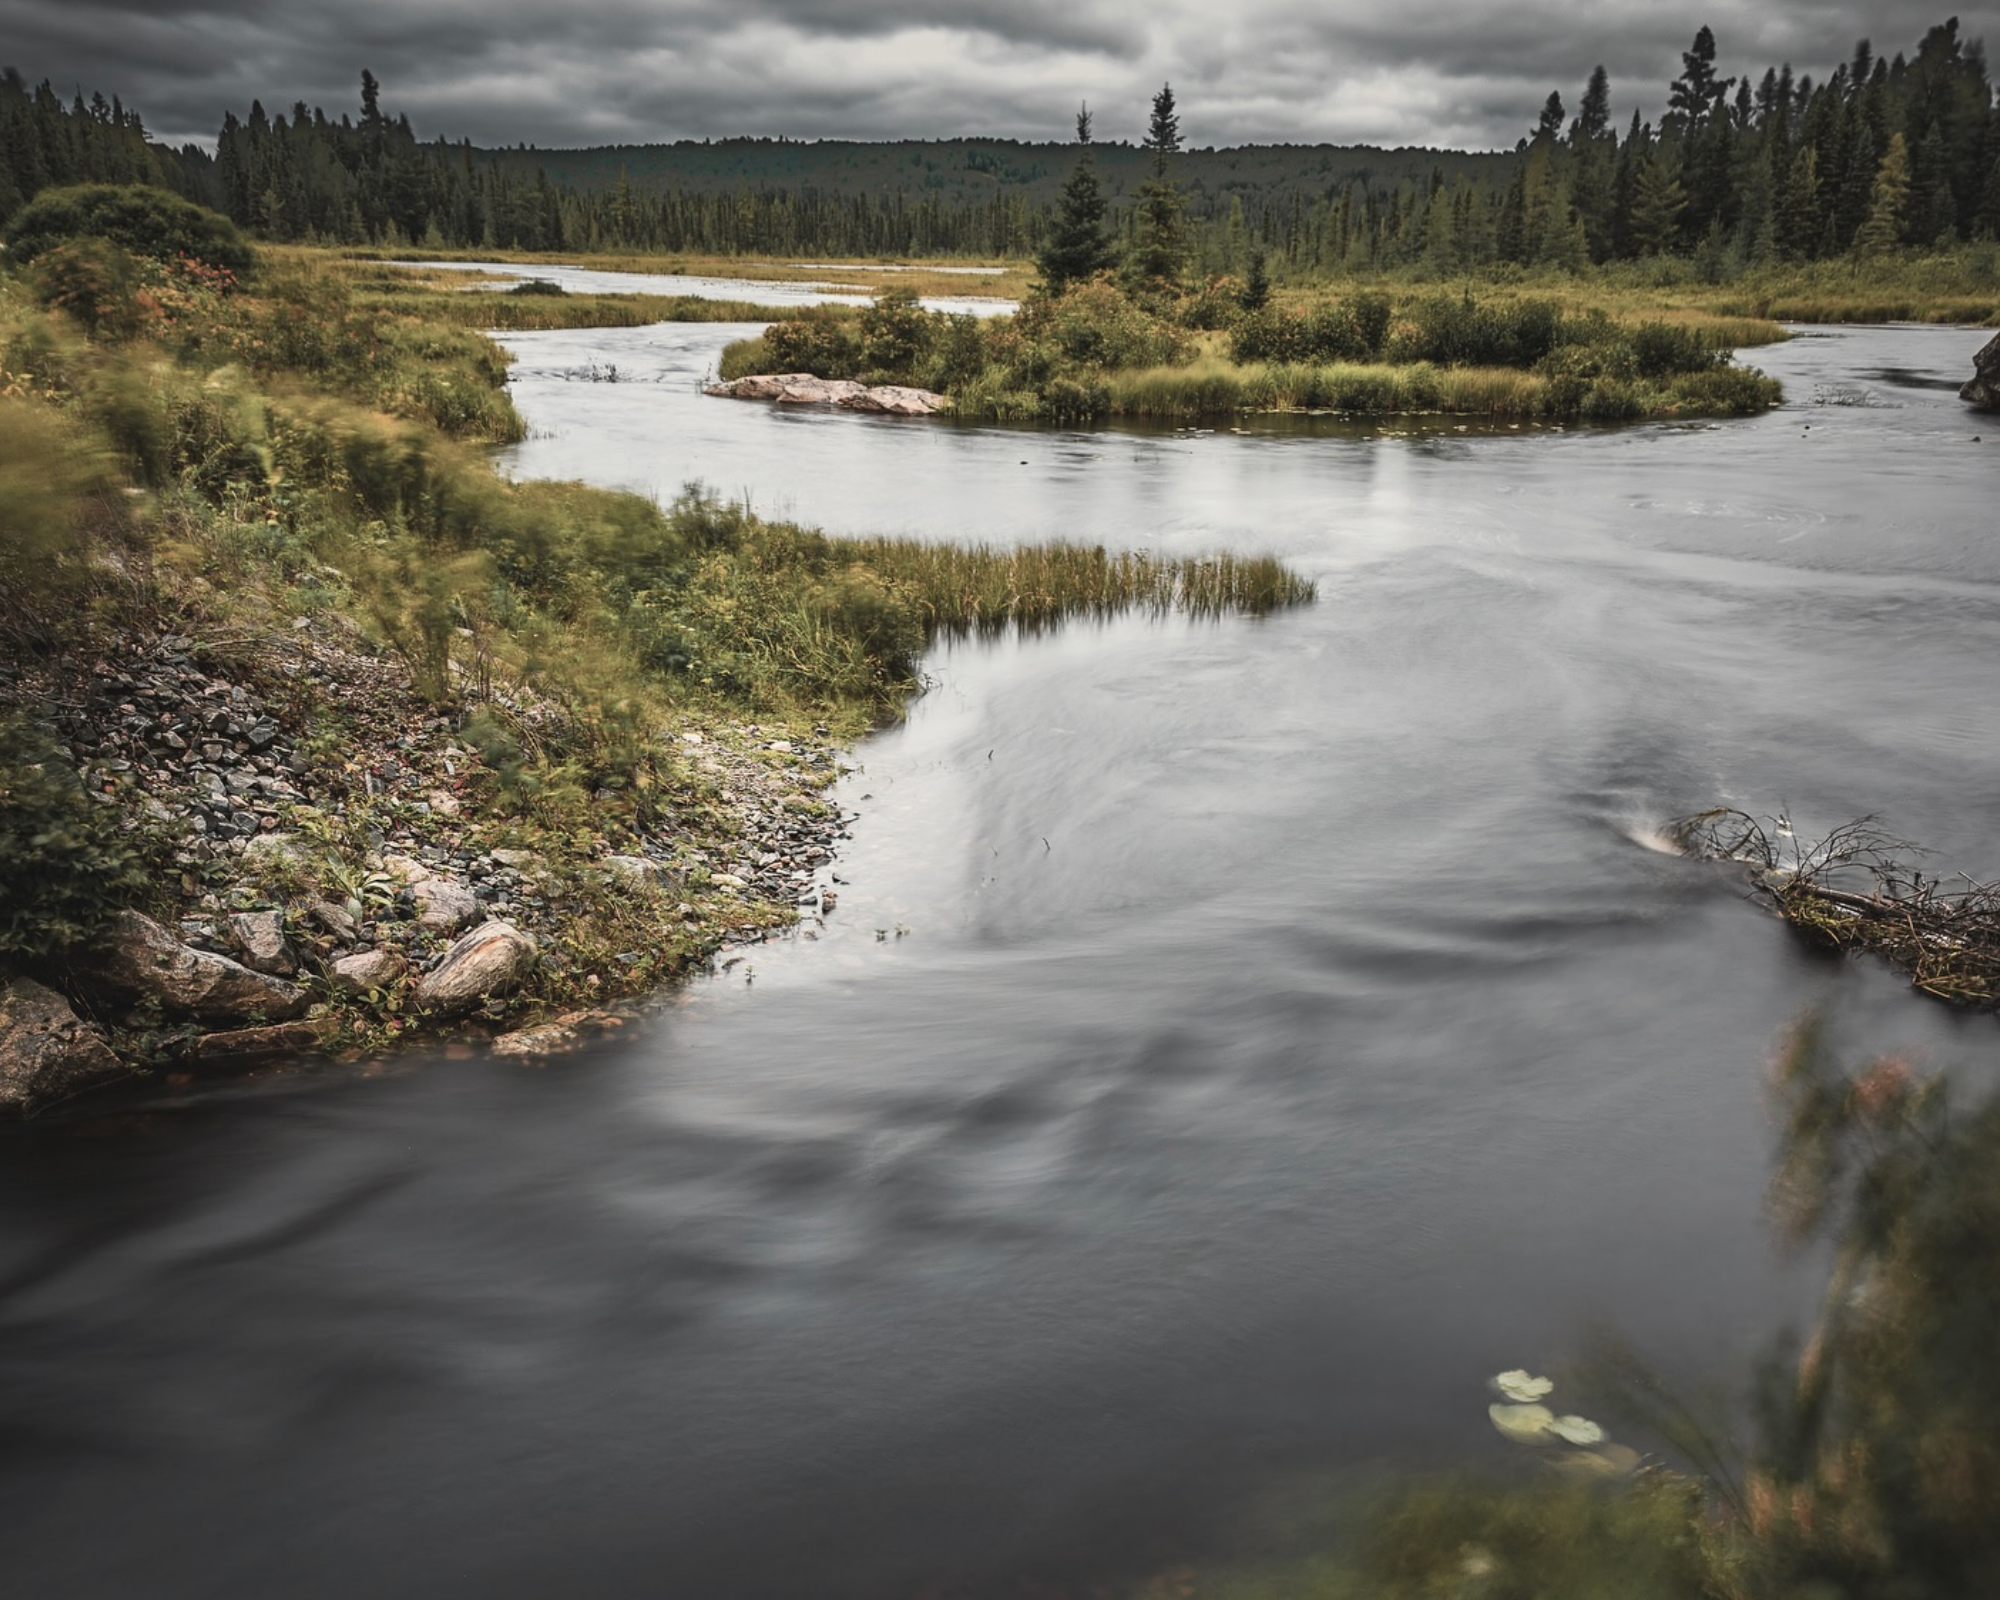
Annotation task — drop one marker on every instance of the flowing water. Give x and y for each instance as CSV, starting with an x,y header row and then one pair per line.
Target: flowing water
x,y
1234,1042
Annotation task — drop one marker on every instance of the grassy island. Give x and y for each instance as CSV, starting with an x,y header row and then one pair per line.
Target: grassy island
x,y
1099,349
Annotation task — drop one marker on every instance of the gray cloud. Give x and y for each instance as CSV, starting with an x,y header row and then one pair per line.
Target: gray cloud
x,y
1446,72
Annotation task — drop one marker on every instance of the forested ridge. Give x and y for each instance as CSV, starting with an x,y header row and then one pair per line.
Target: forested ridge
x,y
1883,152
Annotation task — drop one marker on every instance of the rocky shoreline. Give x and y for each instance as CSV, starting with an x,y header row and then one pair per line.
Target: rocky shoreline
x,y
338,885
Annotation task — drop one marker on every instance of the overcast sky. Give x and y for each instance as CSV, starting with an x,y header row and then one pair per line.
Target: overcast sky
x,y
1457,73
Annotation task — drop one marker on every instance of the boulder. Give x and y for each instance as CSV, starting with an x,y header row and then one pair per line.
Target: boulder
x,y
443,903
490,960
896,401
260,935
141,959
1983,388
335,920
371,969
47,1052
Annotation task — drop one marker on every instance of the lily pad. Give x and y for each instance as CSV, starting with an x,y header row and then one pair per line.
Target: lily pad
x,y
1523,1424
1522,1387
1577,1430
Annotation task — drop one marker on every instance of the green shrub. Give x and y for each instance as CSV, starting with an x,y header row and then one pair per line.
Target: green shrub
x,y
94,281
146,221
65,866
825,342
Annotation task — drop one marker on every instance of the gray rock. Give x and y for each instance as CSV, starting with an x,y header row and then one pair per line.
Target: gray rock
x,y
789,388
142,959
372,969
445,904
47,1052
335,920
260,935
642,870
490,960
1983,388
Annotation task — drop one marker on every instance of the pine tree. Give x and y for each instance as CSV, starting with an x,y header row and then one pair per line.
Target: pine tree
x,y
1161,251
1256,283
1888,202
1593,117
1798,207
1657,203
1077,248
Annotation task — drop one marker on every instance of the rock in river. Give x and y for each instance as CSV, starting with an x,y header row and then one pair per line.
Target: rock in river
x,y
142,959
47,1052
490,960
1983,389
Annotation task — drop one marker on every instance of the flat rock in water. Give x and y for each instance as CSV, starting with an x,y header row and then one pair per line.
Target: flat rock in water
x,y
1983,389
490,960
47,1052
803,389
240,1046
145,961
894,400
789,388
561,1034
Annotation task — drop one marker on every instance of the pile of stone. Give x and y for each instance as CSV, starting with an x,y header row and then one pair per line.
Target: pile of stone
x,y
202,747
803,389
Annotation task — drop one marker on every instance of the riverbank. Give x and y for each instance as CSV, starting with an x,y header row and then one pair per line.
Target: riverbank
x,y
319,735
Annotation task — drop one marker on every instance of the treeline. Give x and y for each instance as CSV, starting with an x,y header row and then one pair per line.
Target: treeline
x,y
1884,153
45,144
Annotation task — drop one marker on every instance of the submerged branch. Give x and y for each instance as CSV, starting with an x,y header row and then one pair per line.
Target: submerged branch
x,y
1855,890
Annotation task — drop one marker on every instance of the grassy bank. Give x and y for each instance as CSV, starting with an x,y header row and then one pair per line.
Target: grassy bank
x,y
273,491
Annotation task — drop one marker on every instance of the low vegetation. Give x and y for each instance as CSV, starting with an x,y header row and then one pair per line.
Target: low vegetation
x,y
1101,350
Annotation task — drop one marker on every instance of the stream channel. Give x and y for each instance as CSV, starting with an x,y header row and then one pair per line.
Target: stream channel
x,y
1236,1040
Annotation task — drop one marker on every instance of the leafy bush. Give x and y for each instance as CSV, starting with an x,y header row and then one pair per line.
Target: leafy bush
x,y
146,221
825,342
1661,348
65,866
94,281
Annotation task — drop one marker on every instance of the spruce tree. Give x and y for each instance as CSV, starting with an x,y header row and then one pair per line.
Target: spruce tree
x,y
1077,248
1888,202
1161,249
1657,203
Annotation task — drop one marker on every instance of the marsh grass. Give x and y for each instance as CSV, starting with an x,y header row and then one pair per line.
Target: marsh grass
x,y
981,589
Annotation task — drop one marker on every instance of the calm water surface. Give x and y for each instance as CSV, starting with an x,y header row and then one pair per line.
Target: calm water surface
x,y
1234,1042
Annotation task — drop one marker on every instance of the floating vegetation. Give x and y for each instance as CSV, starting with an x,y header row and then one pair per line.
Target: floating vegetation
x,y
1522,1418
1856,890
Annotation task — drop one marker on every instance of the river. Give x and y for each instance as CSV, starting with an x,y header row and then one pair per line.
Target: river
x,y
1235,1040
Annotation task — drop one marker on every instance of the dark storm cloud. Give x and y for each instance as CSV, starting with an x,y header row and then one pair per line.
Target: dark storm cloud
x,y
1451,72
